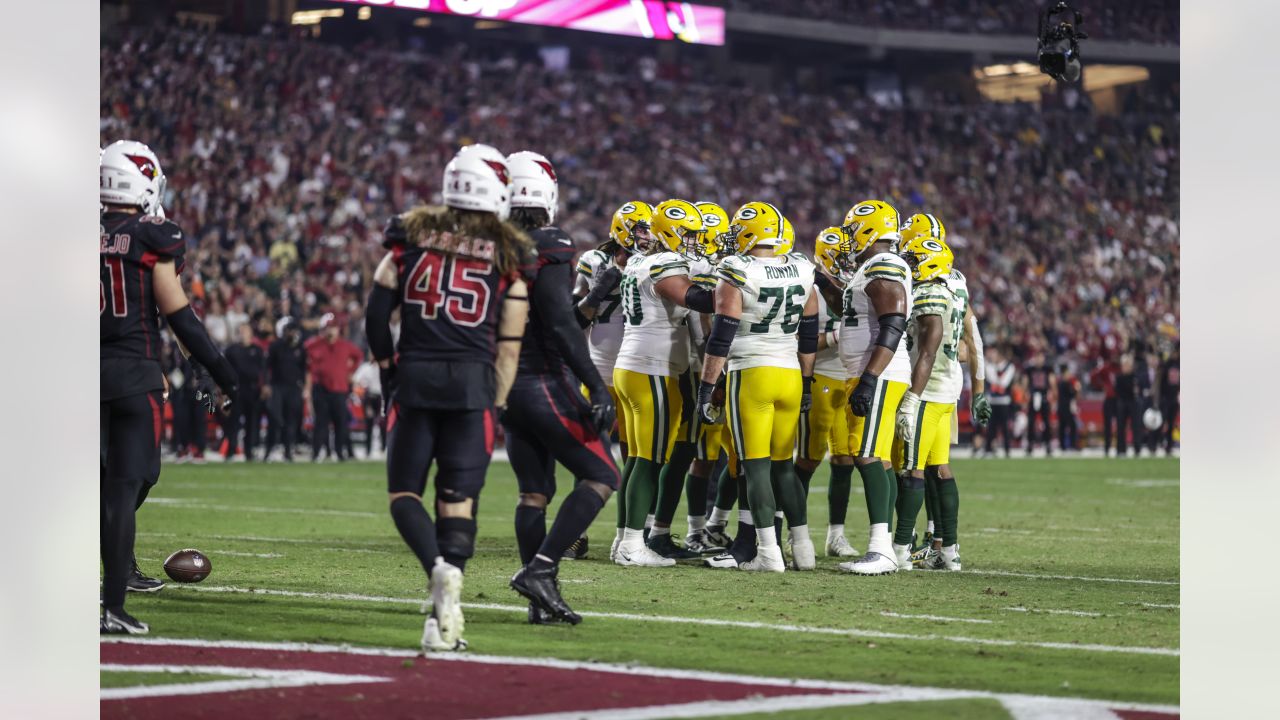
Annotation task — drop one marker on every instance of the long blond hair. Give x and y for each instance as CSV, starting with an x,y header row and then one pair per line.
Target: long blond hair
x,y
451,226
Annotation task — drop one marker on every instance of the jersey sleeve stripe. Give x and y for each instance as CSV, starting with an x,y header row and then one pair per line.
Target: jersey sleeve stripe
x,y
584,268
885,275
883,266
930,303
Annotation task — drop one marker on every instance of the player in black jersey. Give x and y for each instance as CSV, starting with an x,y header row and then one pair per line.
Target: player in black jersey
x,y
547,419
142,256
456,274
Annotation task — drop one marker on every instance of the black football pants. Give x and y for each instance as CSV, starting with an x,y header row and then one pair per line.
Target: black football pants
x,y
330,409
549,421
130,429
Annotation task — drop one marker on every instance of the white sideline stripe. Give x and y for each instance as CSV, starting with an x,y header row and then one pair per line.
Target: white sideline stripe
x,y
1037,576
252,679
1172,606
887,613
903,692
1143,483
752,625
197,505
1077,613
235,553
752,705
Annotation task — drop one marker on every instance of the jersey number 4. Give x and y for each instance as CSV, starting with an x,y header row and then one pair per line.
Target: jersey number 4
x,y
457,283
114,276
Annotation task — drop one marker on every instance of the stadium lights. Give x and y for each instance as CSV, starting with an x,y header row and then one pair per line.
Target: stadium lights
x,y
1023,81
313,17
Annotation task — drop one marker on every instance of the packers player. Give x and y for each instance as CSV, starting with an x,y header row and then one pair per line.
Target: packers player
x,y
766,330
877,285
657,294
826,425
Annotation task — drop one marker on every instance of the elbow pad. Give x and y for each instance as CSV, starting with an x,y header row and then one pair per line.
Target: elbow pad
x,y
892,325
723,330
700,299
191,333
377,321
808,340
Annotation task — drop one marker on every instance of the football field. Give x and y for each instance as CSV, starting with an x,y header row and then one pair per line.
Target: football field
x,y
1070,592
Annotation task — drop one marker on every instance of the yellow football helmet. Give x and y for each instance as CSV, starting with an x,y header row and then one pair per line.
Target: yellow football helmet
x,y
924,247
677,226
788,241
827,253
631,224
756,224
717,242
869,222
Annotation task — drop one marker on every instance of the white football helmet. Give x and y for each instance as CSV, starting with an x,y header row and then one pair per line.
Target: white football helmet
x,y
129,174
533,182
477,178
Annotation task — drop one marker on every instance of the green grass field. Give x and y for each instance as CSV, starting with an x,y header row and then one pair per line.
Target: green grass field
x,y
1070,588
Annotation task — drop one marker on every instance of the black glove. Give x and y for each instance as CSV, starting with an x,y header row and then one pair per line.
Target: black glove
x,y
207,391
603,284
603,412
708,412
806,395
863,395
387,379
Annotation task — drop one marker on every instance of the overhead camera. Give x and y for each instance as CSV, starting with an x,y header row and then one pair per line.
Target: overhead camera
x,y
1060,37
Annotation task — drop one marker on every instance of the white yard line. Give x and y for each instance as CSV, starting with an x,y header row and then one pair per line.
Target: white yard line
x,y
197,504
234,553
1085,578
250,679
939,618
1077,613
1171,606
1022,707
715,622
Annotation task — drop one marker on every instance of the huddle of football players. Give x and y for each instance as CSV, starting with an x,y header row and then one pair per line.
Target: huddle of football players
x,y
704,336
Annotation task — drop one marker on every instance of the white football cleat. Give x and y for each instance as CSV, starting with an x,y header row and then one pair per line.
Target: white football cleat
x,y
641,556
767,559
802,552
838,546
951,558
446,602
903,555
433,642
873,563
613,549
723,561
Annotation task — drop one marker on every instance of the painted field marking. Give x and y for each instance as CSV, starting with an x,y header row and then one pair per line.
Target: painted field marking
x,y
250,679
1143,482
233,553
939,618
715,622
1086,578
1171,606
1077,613
198,504
1020,706
320,544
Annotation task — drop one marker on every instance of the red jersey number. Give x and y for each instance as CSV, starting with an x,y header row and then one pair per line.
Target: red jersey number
x,y
115,274
457,283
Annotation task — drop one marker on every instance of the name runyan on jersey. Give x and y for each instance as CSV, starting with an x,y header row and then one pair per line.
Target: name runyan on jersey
x,y
655,340
861,324
774,293
604,338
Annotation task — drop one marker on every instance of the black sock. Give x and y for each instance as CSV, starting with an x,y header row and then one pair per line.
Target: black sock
x,y
671,482
457,539
695,494
531,530
116,535
415,526
575,516
805,476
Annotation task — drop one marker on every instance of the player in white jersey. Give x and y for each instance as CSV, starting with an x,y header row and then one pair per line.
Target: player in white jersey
x,y
657,294
877,287
934,332
765,331
826,426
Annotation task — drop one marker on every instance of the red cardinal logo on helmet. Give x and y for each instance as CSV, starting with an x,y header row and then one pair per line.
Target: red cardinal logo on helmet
x,y
501,170
550,170
145,166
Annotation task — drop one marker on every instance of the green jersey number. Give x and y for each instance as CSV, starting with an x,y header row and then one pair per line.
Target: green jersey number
x,y
632,309
952,346
611,303
784,300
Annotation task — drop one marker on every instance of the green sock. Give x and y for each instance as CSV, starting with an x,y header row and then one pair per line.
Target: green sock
x,y
838,493
695,495
744,501
642,487
805,477
910,498
875,482
931,499
760,491
949,506
893,493
792,496
621,495
726,490
671,482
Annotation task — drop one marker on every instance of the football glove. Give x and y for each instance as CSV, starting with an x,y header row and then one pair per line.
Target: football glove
x,y
388,380
603,412
207,391
980,409
708,411
863,395
603,284
806,395
906,420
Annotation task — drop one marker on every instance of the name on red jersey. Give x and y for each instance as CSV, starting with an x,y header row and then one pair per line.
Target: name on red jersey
x,y
117,244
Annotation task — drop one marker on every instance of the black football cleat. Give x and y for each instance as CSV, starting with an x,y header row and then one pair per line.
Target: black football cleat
x,y
539,616
119,622
141,583
667,548
578,550
540,586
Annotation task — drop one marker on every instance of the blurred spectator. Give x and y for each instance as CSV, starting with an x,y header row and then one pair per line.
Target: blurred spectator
x,y
1128,418
331,360
1068,408
1167,397
368,382
1103,379
250,363
1001,375
1040,381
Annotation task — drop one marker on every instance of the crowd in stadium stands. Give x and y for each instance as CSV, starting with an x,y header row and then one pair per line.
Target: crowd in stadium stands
x,y
1148,21
286,157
